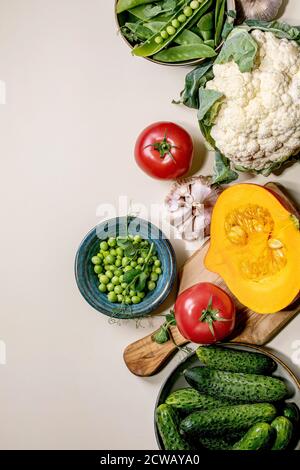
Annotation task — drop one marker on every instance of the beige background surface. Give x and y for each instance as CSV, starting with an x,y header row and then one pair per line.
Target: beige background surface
x,y
76,101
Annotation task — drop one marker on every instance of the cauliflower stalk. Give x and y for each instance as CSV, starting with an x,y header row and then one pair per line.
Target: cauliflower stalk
x,y
250,110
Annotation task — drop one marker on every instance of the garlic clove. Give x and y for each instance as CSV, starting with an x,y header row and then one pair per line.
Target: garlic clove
x,y
259,9
179,217
190,203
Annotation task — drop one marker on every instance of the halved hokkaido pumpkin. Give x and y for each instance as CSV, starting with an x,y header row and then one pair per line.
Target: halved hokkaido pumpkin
x,y
255,247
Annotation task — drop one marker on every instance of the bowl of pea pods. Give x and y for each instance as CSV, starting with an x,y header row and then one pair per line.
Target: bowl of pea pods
x,y
125,267
175,32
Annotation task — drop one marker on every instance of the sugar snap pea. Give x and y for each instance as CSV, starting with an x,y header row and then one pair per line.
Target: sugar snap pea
x,y
182,53
210,42
187,37
124,5
219,20
206,26
186,16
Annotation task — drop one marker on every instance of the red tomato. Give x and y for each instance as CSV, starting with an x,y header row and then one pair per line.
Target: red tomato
x,y
164,150
205,313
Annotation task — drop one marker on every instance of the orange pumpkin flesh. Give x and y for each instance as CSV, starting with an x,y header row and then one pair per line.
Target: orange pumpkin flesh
x,y
255,248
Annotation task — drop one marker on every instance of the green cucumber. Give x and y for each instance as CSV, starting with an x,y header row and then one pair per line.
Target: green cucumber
x,y
291,411
188,400
284,432
167,424
157,42
232,360
236,386
258,437
233,418
221,442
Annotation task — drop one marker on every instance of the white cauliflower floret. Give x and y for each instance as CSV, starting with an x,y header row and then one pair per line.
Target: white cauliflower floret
x,y
259,120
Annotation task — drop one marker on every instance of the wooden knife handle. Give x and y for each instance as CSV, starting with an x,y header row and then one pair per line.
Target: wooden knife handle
x,y
145,357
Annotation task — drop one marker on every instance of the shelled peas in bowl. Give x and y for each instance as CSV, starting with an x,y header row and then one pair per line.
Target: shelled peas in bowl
x,y
127,268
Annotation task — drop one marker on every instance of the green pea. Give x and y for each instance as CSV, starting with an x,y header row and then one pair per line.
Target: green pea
x,y
154,277
102,288
157,263
133,264
104,246
141,295
112,297
120,252
110,259
120,298
158,39
135,299
113,252
98,269
115,280
110,287
121,278
158,270
182,18
112,241
125,261
118,263
109,274
132,293
127,300
175,23
105,253
171,30
111,268
188,11
100,256
194,4
127,268
164,34
96,260
124,285
151,285
139,268
118,273
140,260
137,238
104,279
118,290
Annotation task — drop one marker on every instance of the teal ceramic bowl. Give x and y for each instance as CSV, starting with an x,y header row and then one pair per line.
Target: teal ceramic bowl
x,y
87,280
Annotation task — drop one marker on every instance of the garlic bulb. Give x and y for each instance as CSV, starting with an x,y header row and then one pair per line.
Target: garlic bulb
x,y
190,204
259,9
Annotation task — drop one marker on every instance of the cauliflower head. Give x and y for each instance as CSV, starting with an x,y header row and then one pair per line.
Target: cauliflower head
x,y
258,124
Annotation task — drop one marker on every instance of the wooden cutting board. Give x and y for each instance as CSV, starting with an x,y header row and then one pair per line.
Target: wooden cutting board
x,y
145,357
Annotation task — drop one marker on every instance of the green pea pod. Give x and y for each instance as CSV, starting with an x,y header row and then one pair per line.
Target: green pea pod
x,y
182,53
187,37
210,43
160,40
219,20
206,26
124,5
